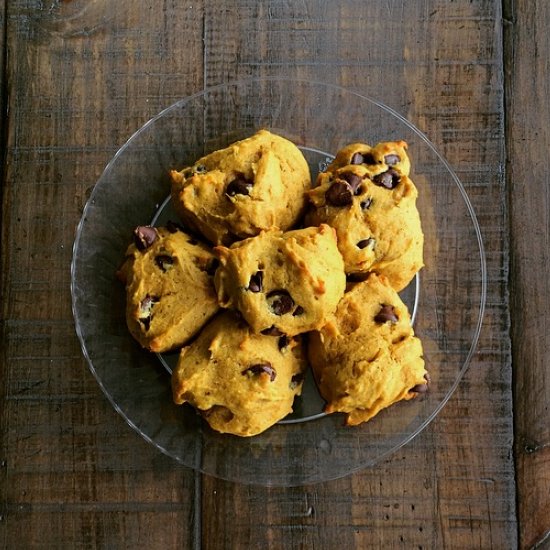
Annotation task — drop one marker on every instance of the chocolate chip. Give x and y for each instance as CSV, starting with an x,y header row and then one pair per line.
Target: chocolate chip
x,y
386,313
144,236
298,311
357,277
296,380
255,283
283,342
193,241
272,331
339,194
392,159
366,242
363,158
164,262
366,204
354,182
419,388
353,179
422,388
357,158
260,368
239,186
388,179
280,302
212,266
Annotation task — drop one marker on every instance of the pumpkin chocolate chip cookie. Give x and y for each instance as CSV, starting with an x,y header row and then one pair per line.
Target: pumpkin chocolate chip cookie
x,y
169,289
367,196
242,383
367,357
285,283
252,185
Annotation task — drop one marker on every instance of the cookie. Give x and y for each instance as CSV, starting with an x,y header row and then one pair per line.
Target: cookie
x,y
384,155
250,186
367,357
242,383
367,196
169,288
285,283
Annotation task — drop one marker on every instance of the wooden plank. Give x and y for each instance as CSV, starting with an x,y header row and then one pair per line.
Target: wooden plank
x,y
3,83
439,63
529,198
83,76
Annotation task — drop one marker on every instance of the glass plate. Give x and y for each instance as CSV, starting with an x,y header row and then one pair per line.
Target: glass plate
x,y
448,298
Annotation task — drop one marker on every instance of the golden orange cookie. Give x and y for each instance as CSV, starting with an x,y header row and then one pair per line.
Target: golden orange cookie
x,y
169,288
367,357
252,185
367,196
242,383
286,282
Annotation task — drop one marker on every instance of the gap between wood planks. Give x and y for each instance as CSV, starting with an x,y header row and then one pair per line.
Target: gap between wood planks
x,y
521,42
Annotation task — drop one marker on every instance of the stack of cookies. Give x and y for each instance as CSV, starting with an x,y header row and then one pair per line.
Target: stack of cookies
x,y
265,275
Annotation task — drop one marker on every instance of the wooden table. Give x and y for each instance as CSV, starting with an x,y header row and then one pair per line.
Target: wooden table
x,y
78,77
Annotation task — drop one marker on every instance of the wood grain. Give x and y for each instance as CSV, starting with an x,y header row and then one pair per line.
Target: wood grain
x,y
529,196
81,77
3,84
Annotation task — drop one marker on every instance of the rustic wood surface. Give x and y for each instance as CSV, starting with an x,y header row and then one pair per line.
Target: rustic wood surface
x,y
80,77
528,88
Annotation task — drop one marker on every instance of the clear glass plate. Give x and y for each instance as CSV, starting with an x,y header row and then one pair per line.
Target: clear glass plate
x,y
447,299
